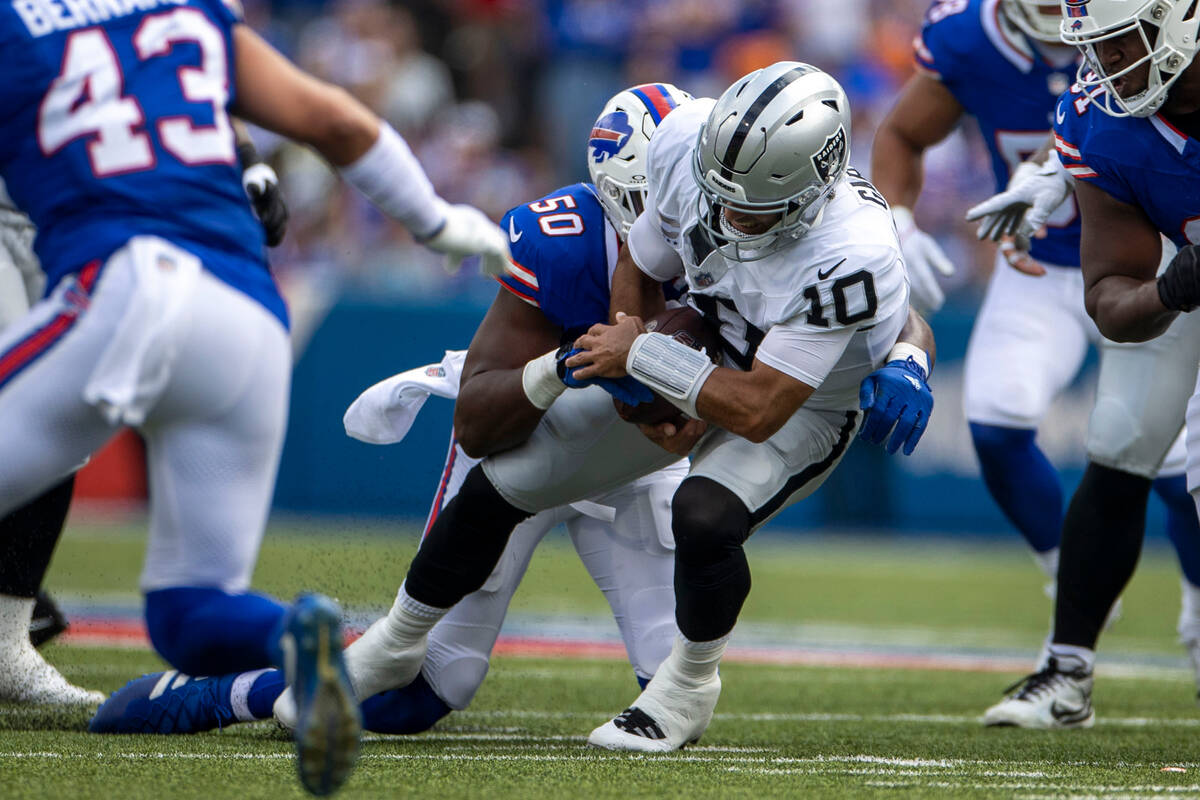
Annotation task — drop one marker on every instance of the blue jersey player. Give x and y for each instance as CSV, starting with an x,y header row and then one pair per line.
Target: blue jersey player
x,y
564,249
1000,62
160,312
1126,134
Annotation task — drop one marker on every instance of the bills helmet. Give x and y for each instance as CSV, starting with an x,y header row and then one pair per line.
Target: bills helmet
x,y
617,148
1167,30
776,142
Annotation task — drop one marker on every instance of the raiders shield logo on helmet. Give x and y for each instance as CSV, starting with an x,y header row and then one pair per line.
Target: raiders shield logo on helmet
x,y
828,161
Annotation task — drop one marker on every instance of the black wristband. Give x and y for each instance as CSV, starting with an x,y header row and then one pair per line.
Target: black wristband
x,y
1179,285
1167,297
247,154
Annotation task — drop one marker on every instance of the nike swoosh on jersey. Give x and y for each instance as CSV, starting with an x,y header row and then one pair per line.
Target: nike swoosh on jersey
x,y
823,275
513,236
1059,116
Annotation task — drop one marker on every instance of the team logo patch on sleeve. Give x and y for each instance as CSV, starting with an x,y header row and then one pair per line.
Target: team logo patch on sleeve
x,y
611,133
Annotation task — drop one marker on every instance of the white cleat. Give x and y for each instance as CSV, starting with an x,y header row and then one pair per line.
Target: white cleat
x,y
26,677
375,662
666,716
1046,699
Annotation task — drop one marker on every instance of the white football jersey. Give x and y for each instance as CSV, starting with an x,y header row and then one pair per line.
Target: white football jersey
x,y
825,309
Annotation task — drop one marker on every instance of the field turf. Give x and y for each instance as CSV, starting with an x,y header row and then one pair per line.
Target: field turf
x,y
780,731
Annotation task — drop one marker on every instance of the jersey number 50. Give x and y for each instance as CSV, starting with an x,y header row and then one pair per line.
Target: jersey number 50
x,y
87,100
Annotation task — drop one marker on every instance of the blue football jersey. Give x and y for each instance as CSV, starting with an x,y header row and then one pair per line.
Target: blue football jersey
x,y
563,255
1146,163
114,122
1002,81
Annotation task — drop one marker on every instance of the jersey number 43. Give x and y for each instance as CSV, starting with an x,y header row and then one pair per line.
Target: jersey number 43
x,y
87,98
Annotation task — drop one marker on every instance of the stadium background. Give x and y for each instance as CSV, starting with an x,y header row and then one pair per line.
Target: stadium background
x,y
496,98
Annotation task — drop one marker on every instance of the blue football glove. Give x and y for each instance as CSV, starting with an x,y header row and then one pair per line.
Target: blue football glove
x,y
627,389
895,398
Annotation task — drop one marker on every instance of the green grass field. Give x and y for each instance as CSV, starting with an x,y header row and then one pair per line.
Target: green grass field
x,y
779,731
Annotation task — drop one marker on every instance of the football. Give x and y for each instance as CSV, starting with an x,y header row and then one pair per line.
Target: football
x,y
686,325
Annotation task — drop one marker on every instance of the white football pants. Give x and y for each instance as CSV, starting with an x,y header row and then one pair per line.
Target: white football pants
x,y
213,427
1029,342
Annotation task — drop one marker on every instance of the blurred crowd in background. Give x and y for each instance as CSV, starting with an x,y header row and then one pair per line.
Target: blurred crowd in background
x,y
497,98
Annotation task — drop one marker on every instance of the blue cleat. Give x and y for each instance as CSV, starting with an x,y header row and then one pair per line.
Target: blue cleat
x,y
166,702
328,723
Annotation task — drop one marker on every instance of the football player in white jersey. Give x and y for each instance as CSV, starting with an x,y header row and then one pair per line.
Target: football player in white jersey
x,y
855,305
796,257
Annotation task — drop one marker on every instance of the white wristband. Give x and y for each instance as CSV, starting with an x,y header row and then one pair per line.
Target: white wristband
x,y
906,350
392,178
540,380
671,368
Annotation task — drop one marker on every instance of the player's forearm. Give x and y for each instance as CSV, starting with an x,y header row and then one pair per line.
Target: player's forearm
x,y
275,94
634,292
493,413
916,331
746,405
1128,309
896,168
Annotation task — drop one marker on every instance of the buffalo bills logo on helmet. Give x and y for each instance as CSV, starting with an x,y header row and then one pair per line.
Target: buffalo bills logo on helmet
x,y
609,135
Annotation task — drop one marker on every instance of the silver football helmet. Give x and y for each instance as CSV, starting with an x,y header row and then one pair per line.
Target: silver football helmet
x,y
1168,30
1028,16
776,142
618,144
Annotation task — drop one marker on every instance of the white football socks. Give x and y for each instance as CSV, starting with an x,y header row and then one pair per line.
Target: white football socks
x,y
15,615
1189,612
409,619
1070,657
697,662
1047,562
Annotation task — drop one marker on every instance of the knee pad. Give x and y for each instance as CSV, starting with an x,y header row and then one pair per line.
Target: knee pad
x,y
708,521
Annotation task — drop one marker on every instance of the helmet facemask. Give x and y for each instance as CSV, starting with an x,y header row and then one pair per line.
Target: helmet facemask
x,y
623,201
1166,30
796,216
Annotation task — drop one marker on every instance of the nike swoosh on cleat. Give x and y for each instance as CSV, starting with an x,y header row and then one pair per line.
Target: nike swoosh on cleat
x,y
1067,713
823,275
513,236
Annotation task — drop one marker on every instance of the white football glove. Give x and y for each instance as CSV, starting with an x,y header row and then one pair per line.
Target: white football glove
x,y
923,257
466,232
1034,192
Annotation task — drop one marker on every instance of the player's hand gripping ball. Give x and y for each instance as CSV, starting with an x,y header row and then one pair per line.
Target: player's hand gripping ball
x,y
686,325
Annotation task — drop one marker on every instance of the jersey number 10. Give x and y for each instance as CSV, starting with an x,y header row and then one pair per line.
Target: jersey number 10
x,y
87,98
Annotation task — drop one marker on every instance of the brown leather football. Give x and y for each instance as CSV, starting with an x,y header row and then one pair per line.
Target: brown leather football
x,y
686,325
